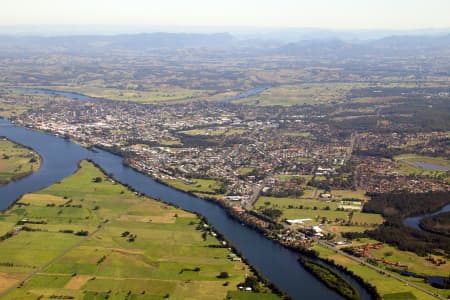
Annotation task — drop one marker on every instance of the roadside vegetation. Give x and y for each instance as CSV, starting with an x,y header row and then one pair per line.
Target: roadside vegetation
x,y
386,286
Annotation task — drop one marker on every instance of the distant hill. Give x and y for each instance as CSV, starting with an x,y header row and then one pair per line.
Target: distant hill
x,y
320,48
100,43
393,45
314,48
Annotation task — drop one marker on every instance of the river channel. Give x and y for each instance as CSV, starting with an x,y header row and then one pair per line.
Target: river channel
x,y
414,222
61,157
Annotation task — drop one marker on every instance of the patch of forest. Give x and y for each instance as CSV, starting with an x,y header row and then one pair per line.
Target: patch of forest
x,y
395,207
417,113
439,224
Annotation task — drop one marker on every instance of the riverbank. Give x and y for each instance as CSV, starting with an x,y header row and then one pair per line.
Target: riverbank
x,y
415,222
95,225
437,223
331,279
271,230
274,262
207,228
372,281
251,246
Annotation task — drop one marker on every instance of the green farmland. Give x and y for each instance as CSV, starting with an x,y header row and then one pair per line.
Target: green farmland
x,y
16,161
88,237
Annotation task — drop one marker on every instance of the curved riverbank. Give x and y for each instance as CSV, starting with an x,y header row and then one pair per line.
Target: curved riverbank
x,y
50,92
414,222
362,287
61,157
438,224
331,279
83,97
275,289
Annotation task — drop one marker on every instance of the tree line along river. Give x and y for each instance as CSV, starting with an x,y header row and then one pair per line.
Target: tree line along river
x,y
276,263
60,159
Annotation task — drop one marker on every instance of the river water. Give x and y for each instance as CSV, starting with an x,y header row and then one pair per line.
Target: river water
x,y
61,157
82,97
246,94
69,95
432,167
414,222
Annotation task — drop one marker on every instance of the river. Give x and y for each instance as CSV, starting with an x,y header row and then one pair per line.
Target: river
x,y
61,157
246,94
414,222
82,97
432,167
69,95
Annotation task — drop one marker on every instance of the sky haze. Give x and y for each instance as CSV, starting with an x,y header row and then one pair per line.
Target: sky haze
x,y
342,14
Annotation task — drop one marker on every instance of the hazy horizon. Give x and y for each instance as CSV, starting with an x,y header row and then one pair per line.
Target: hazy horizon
x,y
281,34
250,14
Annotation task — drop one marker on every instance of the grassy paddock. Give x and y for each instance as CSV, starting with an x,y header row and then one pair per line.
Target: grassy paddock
x,y
407,166
386,286
16,161
293,208
133,246
203,186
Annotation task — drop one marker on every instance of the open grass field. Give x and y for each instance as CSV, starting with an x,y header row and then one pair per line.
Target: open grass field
x,y
407,164
208,131
309,93
175,142
80,239
349,194
15,102
150,94
410,158
387,287
11,110
298,134
305,178
327,93
415,263
216,131
16,161
134,95
293,208
203,186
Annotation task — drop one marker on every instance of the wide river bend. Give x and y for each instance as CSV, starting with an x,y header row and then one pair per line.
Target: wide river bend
x,y
61,157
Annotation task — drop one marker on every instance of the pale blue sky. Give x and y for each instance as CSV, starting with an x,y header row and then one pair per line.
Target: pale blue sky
x,y
343,14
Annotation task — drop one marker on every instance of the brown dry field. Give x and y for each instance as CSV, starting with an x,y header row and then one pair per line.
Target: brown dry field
x,y
42,200
77,282
8,280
